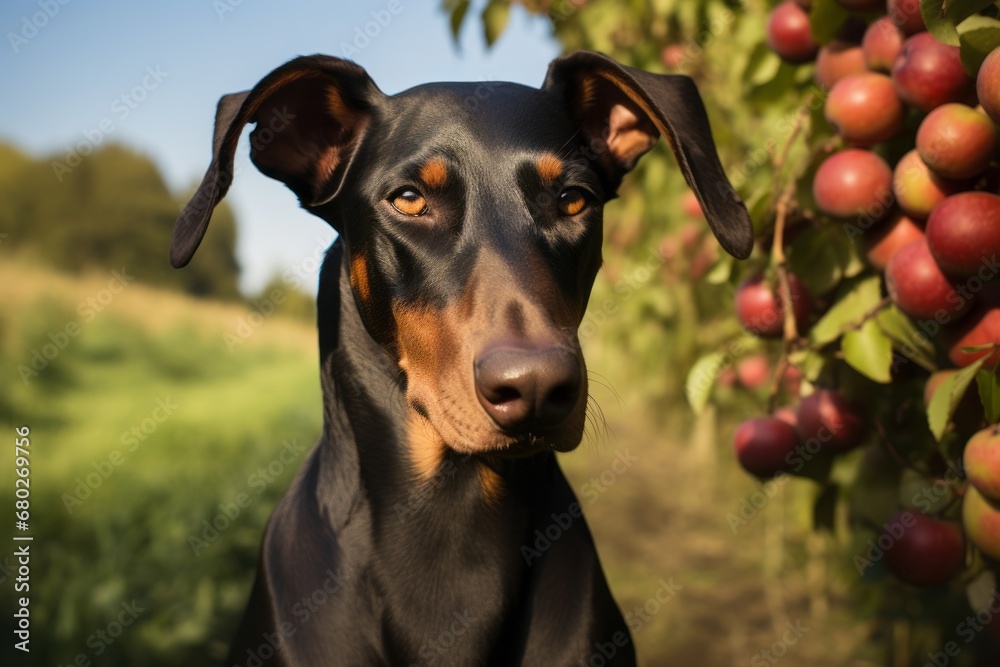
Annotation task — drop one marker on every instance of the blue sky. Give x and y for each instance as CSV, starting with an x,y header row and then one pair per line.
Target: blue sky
x,y
63,82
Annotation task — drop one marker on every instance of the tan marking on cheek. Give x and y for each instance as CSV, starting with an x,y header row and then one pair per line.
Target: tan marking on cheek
x,y
434,173
359,277
421,343
427,449
490,484
550,168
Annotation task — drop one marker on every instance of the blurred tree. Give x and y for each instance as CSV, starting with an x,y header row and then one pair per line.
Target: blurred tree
x,y
111,210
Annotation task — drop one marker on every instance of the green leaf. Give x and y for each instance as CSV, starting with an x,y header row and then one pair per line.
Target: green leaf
x,y
977,36
810,362
818,258
775,89
720,273
701,379
825,18
856,301
907,340
989,394
946,398
495,18
869,351
941,18
458,11
761,207
762,66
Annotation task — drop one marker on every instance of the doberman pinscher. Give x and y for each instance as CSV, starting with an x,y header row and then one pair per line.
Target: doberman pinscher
x,y
469,220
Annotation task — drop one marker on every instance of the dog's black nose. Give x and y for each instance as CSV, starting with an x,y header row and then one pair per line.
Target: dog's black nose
x,y
524,388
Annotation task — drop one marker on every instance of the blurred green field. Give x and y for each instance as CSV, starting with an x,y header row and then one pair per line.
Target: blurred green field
x,y
660,499
109,534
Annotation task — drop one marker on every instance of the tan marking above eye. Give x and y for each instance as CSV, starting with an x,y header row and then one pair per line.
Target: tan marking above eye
x,y
549,168
409,202
434,173
572,201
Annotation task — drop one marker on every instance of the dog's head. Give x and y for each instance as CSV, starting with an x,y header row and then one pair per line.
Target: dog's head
x,y
471,221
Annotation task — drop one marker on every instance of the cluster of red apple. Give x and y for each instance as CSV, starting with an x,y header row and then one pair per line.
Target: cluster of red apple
x,y
931,224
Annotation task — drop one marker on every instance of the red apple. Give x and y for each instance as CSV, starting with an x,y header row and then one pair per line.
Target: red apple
x,y
789,34
905,14
982,462
853,183
760,310
764,445
672,55
919,190
919,287
787,415
927,552
981,520
792,380
890,236
882,43
691,206
956,141
753,371
963,233
864,109
838,424
988,85
928,73
981,328
837,59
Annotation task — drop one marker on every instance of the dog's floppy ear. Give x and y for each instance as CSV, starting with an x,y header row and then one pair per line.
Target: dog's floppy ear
x,y
310,115
623,111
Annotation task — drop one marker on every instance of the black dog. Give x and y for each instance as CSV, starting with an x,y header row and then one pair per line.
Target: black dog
x,y
470,228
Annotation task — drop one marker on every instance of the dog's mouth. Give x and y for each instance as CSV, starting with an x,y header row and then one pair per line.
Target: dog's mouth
x,y
434,430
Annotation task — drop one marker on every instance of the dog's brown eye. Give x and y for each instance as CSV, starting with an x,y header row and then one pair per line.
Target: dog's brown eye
x,y
409,202
572,201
